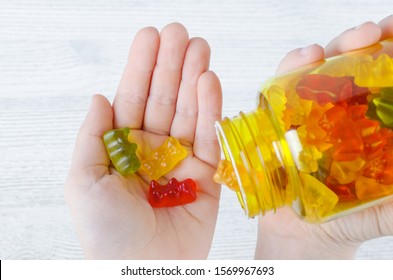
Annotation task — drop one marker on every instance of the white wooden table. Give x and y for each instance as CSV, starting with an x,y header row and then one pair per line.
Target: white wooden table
x,y
55,54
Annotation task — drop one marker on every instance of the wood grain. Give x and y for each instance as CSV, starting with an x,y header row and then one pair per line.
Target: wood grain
x,y
55,54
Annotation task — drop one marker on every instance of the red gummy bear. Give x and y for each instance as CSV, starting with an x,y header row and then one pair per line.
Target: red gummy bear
x,y
381,168
324,88
172,194
345,192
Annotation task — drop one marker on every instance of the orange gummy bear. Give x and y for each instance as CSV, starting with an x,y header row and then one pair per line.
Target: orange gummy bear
x,y
225,175
381,168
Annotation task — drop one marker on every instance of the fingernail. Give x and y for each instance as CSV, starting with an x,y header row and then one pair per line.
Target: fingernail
x,y
306,50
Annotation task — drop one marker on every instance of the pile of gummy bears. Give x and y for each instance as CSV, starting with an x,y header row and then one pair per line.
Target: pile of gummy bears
x,y
349,123
342,113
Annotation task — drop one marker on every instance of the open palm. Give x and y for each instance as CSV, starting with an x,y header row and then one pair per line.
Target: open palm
x,y
166,90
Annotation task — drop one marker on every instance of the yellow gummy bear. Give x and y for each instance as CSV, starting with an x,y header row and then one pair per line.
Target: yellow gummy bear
x,y
343,65
308,158
311,132
225,175
346,171
318,199
297,110
368,188
163,159
374,73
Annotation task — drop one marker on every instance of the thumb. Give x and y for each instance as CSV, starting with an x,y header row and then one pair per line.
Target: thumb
x,y
90,153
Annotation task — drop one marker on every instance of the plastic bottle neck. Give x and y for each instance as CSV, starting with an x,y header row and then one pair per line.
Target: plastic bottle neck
x,y
255,145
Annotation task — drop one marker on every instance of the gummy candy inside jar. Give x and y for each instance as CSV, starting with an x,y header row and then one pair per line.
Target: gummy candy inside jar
x,y
320,140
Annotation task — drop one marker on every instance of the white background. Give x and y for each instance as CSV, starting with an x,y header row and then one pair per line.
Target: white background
x,y
55,54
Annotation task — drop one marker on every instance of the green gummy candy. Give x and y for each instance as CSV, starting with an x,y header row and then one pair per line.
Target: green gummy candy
x,y
384,106
121,152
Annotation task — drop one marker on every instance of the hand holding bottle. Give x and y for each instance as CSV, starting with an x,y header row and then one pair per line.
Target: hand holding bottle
x,y
282,234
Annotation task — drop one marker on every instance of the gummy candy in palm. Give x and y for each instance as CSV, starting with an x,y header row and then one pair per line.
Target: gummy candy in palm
x,y
121,152
174,193
164,158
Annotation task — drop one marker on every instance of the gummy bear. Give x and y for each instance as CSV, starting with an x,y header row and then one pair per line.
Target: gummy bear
x,y
172,194
344,192
381,167
359,94
323,88
164,158
369,130
121,152
374,73
342,132
368,188
309,157
225,175
345,66
311,133
318,199
346,171
296,110
384,106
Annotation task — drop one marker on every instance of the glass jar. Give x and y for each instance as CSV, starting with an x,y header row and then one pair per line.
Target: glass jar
x,y
320,140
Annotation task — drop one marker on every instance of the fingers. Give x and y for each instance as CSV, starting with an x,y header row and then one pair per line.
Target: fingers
x,y
130,101
196,62
386,26
300,57
89,148
206,145
161,103
358,37
361,36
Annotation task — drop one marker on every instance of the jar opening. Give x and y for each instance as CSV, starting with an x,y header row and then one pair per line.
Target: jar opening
x,y
256,150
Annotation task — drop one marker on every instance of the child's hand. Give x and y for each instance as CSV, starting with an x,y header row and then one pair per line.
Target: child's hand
x,y
284,236
166,90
